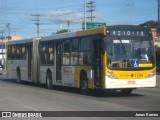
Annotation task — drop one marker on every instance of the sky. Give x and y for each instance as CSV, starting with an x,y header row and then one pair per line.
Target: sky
x,y
56,14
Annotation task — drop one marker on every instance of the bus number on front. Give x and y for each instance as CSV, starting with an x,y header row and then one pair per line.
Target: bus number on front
x,y
138,75
127,33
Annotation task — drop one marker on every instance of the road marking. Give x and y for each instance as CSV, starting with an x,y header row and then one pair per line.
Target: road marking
x,y
29,107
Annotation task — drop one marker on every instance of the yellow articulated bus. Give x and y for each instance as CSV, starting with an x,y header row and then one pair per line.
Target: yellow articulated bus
x,y
114,57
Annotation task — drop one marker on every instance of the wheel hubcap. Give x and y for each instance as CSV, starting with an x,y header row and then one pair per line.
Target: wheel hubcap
x,y
84,84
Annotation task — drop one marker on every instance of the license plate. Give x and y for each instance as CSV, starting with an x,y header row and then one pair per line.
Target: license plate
x,y
131,82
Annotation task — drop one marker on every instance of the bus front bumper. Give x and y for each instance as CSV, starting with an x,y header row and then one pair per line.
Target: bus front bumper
x,y
129,83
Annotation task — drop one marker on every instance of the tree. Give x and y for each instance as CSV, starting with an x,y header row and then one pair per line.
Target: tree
x,y
151,24
62,31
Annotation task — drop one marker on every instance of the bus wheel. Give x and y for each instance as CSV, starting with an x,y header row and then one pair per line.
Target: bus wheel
x,y
18,76
126,91
84,85
49,81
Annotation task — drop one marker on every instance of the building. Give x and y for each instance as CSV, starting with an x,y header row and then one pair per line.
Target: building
x,y
156,37
2,46
154,32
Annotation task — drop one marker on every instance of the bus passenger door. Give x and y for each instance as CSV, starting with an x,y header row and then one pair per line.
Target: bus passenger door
x,y
58,62
29,59
96,63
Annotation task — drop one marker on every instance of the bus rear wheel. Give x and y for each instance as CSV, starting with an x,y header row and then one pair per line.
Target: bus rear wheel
x,y
126,91
49,81
18,76
84,85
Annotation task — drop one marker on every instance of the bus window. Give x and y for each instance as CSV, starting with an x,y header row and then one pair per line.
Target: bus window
x,y
50,57
84,55
17,53
74,52
84,58
85,44
66,52
23,54
13,53
9,52
43,53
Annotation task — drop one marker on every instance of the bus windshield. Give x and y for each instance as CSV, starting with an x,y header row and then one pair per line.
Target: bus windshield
x,y
130,54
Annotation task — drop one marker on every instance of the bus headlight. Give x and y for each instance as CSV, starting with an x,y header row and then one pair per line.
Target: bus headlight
x,y
111,75
152,74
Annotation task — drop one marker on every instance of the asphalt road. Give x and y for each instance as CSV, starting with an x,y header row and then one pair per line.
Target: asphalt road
x,y
28,97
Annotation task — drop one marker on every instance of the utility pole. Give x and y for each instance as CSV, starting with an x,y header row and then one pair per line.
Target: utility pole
x,y
5,36
2,44
8,31
2,34
130,16
37,23
69,22
91,7
158,1
61,25
84,14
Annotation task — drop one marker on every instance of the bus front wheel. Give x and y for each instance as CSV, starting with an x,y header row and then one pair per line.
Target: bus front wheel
x,y
49,81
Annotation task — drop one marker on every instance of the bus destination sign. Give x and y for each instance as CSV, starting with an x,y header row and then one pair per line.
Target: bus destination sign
x,y
131,33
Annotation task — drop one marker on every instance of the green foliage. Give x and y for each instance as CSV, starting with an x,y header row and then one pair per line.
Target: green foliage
x,y
151,24
62,31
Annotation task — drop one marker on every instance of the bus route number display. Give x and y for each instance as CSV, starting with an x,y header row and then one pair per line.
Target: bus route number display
x,y
127,33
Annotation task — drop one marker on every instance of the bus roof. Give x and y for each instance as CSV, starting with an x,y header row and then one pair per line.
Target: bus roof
x,y
20,41
100,30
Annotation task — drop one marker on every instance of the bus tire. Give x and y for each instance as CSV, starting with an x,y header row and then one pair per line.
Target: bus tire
x,y
19,76
49,80
126,91
84,85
